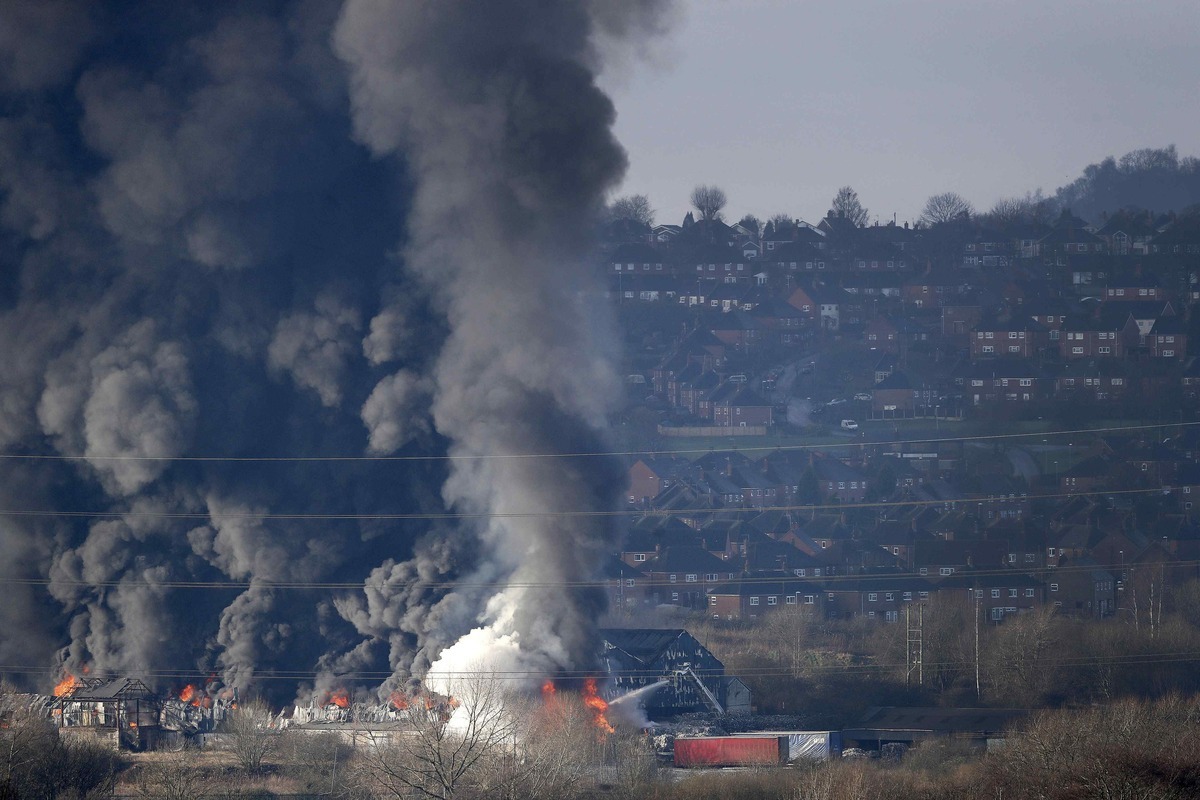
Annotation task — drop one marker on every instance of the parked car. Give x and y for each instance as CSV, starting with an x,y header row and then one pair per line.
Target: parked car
x,y
849,425
863,396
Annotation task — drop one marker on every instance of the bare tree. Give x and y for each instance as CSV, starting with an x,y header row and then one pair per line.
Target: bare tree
x,y
709,201
555,743
846,204
1021,656
634,206
173,776
945,207
438,755
36,762
253,736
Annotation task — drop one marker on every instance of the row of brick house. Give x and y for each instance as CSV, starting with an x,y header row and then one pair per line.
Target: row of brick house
x,y
741,574
714,249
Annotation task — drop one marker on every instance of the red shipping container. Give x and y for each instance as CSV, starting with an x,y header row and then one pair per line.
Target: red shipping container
x,y
730,751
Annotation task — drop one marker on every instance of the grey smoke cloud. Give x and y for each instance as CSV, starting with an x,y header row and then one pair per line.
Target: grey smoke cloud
x,y
319,231
315,347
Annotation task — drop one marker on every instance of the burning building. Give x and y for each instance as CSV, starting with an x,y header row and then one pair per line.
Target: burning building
x,y
692,679
122,710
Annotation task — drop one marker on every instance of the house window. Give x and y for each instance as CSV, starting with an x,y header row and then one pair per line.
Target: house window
x,y
1054,587
944,571
691,578
753,601
1076,351
1029,592
1027,381
790,600
995,592
772,601
924,595
674,597
639,556
1104,350
809,599
924,570
891,616
1012,592
1168,353
672,577
889,596
872,597
711,576
629,581
870,615
907,595
712,601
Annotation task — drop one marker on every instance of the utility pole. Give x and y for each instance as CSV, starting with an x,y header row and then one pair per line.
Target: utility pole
x,y
915,654
978,596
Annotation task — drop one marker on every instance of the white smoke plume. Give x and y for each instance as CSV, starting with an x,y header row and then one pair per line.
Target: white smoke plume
x,y
496,108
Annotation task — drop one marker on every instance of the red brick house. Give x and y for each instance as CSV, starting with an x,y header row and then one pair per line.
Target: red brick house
x,y
753,595
837,480
1017,337
893,397
740,408
1097,380
1168,339
1103,336
680,576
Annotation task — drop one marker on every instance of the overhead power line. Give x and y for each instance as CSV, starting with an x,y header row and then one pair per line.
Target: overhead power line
x,y
882,579
664,512
526,675
92,458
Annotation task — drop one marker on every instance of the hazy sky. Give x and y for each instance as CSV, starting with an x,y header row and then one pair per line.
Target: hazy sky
x,y
781,103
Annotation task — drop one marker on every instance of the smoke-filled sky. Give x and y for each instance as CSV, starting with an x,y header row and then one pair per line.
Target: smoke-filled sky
x,y
781,103
240,242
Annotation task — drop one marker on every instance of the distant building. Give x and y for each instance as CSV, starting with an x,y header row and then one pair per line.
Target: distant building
x,y
692,678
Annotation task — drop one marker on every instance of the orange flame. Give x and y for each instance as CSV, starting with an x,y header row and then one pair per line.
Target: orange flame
x,y
593,700
548,689
340,698
398,700
68,684
188,694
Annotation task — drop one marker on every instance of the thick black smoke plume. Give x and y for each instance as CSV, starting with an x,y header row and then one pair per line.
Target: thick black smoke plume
x,y
298,229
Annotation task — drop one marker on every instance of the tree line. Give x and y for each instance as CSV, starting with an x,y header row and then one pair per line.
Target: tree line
x,y
1156,179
